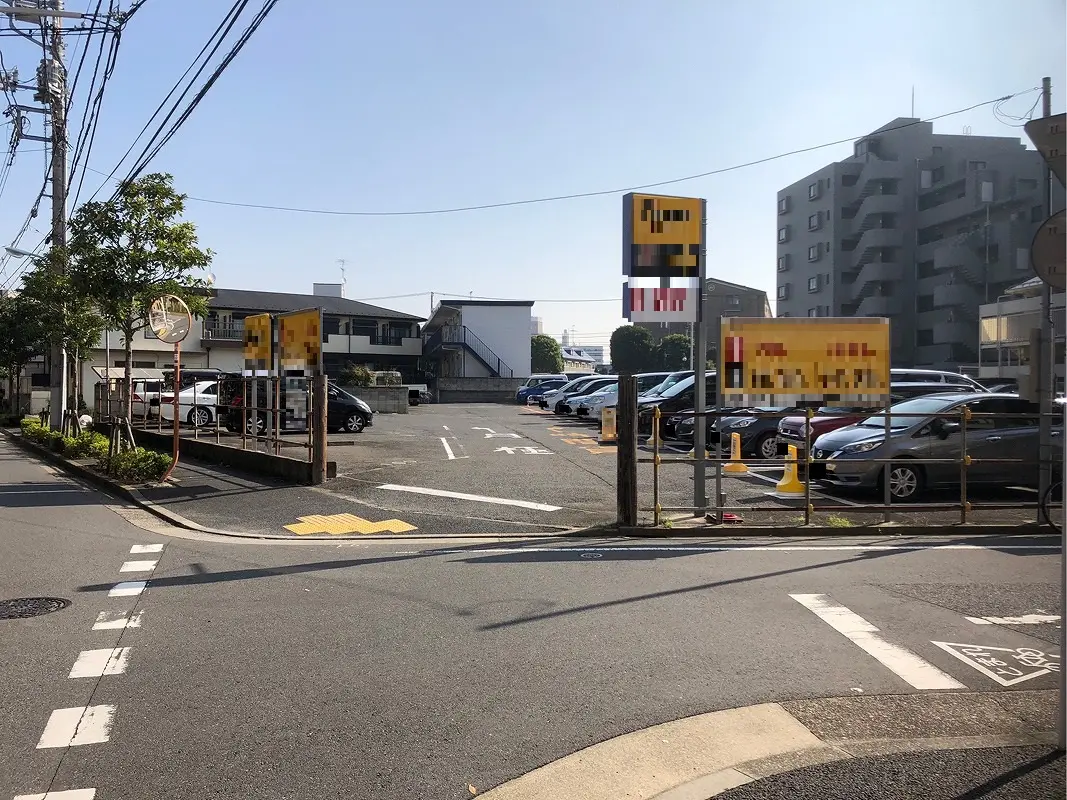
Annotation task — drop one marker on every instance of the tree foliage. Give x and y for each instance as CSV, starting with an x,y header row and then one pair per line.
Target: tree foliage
x,y
130,250
632,350
69,319
22,337
545,354
673,351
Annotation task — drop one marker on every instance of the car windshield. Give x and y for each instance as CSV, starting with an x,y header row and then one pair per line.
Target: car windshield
x,y
841,410
607,389
342,393
678,387
918,405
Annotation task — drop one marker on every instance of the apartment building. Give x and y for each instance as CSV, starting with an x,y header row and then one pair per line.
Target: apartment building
x,y
919,227
478,339
1004,333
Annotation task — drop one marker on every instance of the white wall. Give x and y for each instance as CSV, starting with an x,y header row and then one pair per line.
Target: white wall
x,y
506,330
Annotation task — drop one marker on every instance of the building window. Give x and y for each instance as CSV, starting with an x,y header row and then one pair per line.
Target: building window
x,y
975,165
814,284
783,263
783,291
733,300
783,205
814,221
924,337
813,253
813,190
783,234
937,174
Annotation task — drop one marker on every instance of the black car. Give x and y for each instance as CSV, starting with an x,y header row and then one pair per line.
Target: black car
x,y
344,411
758,428
679,397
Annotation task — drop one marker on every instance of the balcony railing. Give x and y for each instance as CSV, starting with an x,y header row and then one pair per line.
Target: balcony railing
x,y
224,331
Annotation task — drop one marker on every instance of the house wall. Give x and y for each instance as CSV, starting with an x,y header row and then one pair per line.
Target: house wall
x,y
506,331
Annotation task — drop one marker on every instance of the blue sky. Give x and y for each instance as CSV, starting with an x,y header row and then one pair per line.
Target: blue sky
x,y
421,104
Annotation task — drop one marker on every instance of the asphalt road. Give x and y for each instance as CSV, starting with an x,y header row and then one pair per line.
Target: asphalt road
x,y
400,669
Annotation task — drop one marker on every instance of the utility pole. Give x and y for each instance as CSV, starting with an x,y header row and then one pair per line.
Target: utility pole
x,y
55,80
1046,367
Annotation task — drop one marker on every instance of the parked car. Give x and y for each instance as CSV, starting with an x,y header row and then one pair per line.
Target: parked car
x,y
669,381
850,450
562,401
608,395
935,376
526,394
541,377
344,411
679,397
758,430
145,399
197,404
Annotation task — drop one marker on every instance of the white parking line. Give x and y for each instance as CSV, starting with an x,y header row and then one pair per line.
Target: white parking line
x,y
66,794
814,492
70,727
500,501
127,589
1025,619
146,548
95,663
448,450
109,621
916,671
138,566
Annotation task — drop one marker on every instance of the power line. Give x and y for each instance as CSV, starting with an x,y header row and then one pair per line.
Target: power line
x,y
603,192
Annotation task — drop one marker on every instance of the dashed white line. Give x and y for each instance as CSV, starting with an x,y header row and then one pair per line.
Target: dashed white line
x,y
138,566
917,672
71,727
109,621
127,589
448,450
500,501
96,663
66,794
1025,619
146,548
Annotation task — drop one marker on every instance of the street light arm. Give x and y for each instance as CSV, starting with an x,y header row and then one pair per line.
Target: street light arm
x,y
35,13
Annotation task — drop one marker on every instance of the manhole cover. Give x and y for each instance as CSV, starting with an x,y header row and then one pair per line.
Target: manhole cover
x,y
23,607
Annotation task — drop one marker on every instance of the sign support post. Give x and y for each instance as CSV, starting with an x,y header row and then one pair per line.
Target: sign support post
x,y
170,320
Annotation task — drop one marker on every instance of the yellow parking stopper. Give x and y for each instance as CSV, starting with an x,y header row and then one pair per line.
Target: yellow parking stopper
x,y
735,467
651,440
693,454
608,434
790,487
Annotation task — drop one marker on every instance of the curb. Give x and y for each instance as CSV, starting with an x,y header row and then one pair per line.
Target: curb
x,y
802,531
697,758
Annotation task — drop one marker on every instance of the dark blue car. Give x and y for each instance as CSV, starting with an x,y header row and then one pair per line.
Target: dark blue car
x,y
532,394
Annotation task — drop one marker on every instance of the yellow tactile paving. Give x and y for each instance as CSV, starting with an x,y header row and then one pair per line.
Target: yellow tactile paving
x,y
339,524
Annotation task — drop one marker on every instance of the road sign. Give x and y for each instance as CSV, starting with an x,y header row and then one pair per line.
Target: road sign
x,y
1049,135
1048,251
258,340
169,319
789,362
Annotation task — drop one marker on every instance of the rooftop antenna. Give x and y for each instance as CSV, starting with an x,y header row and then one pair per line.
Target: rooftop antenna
x,y
342,262
913,100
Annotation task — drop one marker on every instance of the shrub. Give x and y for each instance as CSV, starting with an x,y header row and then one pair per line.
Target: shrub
x,y
137,466
28,425
55,440
87,444
353,375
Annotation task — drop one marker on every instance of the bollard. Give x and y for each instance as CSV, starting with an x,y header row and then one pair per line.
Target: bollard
x,y
693,454
608,434
651,441
736,466
790,486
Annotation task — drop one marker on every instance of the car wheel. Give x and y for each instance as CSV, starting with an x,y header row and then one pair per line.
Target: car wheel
x,y
905,481
767,446
256,425
354,423
199,416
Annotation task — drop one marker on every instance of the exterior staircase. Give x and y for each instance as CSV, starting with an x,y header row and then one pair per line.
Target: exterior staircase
x,y
460,337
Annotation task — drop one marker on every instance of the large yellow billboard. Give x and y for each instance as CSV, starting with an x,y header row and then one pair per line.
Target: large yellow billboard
x,y
257,344
300,341
789,362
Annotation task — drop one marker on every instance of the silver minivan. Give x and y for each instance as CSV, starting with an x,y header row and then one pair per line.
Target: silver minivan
x,y
850,450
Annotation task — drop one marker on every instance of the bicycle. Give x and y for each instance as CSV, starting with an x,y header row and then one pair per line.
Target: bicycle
x,y
1051,505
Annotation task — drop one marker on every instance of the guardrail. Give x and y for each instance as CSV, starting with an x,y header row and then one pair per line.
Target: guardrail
x,y
966,461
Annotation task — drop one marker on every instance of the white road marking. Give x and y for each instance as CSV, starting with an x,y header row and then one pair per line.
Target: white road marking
x,y
70,727
127,589
66,794
448,450
95,663
446,427
108,621
500,501
138,566
1025,619
814,492
146,548
916,671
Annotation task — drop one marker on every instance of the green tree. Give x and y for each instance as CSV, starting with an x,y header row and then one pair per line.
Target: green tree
x,y
632,350
69,319
545,354
22,337
356,375
130,250
673,351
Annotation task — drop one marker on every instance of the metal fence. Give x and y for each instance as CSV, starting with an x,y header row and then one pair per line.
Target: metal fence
x,y
1021,427
267,414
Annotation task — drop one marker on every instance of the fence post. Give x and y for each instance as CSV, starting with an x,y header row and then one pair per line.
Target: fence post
x,y
887,474
318,443
965,462
656,415
626,453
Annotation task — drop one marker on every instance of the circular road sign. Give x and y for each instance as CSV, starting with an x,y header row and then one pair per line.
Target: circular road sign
x,y
170,319
1048,251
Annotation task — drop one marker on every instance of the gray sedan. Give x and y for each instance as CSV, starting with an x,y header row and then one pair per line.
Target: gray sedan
x,y
850,450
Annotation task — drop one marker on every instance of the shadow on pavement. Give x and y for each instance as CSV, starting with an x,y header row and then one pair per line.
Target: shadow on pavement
x,y
40,495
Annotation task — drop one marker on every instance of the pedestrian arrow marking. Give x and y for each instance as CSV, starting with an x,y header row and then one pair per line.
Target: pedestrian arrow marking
x,y
339,524
1006,665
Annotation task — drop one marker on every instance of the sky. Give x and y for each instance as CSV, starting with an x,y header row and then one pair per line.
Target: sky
x,y
422,105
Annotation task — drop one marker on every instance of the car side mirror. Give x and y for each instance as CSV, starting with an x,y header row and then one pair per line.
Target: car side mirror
x,y
946,429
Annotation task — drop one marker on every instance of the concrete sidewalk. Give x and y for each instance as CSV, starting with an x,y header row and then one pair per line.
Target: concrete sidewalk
x,y
854,741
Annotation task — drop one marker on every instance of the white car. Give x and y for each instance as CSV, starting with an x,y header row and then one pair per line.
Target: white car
x,y
585,405
197,404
